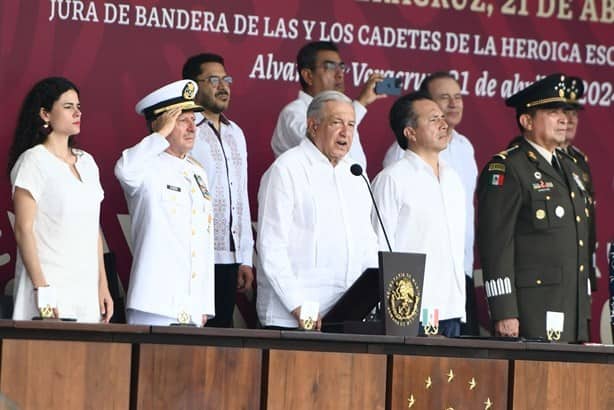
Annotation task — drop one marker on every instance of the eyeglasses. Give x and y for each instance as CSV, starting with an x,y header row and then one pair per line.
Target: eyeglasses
x,y
214,80
334,66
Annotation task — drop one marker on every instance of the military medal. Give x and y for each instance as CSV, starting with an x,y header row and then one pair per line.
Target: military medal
x,y
537,175
203,187
540,214
579,182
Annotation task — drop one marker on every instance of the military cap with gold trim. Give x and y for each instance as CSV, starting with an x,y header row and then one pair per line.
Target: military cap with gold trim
x,y
549,92
574,90
179,94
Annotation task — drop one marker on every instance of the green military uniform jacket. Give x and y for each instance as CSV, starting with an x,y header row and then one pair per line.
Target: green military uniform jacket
x,y
581,160
533,241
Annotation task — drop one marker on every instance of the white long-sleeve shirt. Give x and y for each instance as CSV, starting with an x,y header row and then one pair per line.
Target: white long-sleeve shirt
x,y
424,214
292,125
172,231
314,238
224,157
460,155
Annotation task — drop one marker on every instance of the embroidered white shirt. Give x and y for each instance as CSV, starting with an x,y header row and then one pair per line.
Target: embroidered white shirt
x,y
224,159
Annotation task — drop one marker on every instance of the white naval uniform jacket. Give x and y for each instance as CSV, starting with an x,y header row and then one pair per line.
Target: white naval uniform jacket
x,y
314,233
172,231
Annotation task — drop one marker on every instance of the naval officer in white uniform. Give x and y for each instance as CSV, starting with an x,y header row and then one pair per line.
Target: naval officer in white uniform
x,y
171,279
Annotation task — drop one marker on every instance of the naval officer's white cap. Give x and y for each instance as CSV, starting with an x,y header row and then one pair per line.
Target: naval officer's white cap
x,y
179,94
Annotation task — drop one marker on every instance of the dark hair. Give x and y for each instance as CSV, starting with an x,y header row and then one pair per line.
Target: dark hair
x,y
402,114
437,75
191,68
308,54
30,130
519,112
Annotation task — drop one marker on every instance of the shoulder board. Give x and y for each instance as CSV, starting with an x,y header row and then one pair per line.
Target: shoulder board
x,y
564,153
193,161
579,151
505,153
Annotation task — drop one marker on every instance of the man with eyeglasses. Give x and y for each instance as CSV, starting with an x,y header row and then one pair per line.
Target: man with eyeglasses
x,y
443,88
221,148
320,69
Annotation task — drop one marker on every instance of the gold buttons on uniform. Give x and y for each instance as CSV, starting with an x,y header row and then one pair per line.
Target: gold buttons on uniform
x,y
193,211
573,194
547,197
578,219
586,212
540,214
581,242
193,232
193,275
538,281
581,268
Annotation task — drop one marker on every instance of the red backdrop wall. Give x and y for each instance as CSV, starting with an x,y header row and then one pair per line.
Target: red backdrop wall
x,y
117,52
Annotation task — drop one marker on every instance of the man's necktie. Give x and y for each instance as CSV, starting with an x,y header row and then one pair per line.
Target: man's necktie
x,y
556,165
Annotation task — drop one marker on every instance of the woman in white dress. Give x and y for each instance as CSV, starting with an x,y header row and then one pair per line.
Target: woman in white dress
x,y
57,196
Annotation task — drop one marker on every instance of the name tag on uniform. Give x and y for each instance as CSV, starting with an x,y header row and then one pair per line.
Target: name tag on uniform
x,y
173,188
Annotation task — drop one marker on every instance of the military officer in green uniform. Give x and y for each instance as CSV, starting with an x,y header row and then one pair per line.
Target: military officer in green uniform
x,y
576,90
532,222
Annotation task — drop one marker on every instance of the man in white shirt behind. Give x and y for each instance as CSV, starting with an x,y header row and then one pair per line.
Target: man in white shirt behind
x,y
315,237
422,204
221,149
320,68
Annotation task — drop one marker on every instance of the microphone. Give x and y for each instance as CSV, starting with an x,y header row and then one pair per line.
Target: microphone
x,y
356,169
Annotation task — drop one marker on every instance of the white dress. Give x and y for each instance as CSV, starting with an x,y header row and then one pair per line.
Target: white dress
x,y
66,228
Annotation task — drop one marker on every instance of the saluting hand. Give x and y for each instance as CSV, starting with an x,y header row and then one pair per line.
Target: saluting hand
x,y
165,123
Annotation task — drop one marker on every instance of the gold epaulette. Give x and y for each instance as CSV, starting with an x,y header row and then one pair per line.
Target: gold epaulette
x,y
505,153
194,161
579,151
566,154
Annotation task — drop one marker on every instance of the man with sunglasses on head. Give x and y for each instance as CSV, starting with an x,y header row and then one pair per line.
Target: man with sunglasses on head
x,y
220,147
320,68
